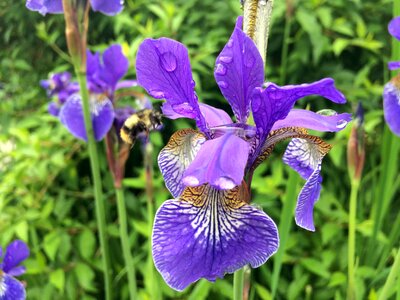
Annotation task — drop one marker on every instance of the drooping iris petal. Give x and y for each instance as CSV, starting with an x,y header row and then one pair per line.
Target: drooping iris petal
x,y
11,288
115,64
219,162
176,156
126,84
16,252
108,7
102,113
304,155
239,69
274,103
393,65
163,69
394,28
311,120
45,6
391,105
206,233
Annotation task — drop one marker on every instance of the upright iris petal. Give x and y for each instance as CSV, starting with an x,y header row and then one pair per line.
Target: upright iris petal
x,y
102,113
206,233
239,69
163,69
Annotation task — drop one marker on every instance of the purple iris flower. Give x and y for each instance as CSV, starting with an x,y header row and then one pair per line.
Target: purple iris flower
x,y
107,7
391,92
210,228
11,288
104,76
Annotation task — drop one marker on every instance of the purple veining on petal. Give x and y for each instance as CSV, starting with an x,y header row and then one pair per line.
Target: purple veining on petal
x,y
239,69
214,116
393,65
102,113
305,158
311,120
176,156
163,69
219,162
45,6
391,107
16,253
394,27
274,103
192,242
11,288
108,7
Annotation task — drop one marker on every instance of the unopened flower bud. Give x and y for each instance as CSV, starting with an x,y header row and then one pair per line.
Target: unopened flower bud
x,y
356,145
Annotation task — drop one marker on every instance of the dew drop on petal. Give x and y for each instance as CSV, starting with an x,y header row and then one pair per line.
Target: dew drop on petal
x,y
223,84
226,59
256,102
225,183
193,83
220,69
249,62
327,112
341,124
157,94
168,61
230,43
191,181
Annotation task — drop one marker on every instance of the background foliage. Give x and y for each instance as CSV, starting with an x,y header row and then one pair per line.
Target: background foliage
x,y
45,191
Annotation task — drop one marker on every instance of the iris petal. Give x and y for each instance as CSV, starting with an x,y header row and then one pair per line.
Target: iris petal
x,y
220,162
304,155
394,28
45,6
16,252
11,288
239,68
107,7
214,235
163,69
391,107
393,65
102,113
176,156
274,102
311,120
115,65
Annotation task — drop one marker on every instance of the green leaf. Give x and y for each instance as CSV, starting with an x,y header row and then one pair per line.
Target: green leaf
x,y
315,266
51,244
85,277
87,244
57,278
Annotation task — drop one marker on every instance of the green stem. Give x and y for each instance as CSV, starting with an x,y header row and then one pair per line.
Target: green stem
x,y
98,193
123,231
238,283
148,165
351,291
390,281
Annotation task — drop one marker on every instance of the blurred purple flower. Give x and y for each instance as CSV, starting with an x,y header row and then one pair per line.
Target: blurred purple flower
x,y
107,7
104,74
11,288
391,92
210,228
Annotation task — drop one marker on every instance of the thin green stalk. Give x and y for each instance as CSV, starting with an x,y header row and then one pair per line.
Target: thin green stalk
x,y
148,165
98,193
238,283
390,281
123,232
351,290
284,227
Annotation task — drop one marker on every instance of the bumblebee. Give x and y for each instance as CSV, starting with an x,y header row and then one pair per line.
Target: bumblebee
x,y
140,124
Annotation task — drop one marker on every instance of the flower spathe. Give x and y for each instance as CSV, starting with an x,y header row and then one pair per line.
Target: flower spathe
x,y
391,91
107,7
210,228
10,288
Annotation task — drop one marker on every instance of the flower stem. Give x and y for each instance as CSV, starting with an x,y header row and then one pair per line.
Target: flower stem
x,y
351,291
238,283
123,231
98,193
390,281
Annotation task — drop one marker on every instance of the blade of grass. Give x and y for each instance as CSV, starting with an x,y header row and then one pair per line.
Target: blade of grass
x,y
284,226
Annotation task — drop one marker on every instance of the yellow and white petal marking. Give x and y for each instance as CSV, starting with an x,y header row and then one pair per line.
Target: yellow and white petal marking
x,y
176,156
207,232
